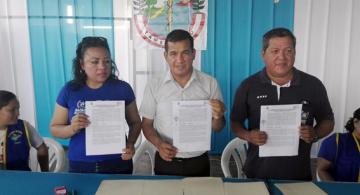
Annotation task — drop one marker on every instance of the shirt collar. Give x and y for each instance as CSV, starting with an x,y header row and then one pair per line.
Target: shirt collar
x,y
264,78
168,77
284,85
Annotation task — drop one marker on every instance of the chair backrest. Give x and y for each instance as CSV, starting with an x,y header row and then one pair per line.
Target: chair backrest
x,y
57,159
317,176
146,148
138,142
236,148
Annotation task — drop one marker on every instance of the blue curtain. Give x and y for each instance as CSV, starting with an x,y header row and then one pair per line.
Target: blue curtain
x,y
55,31
235,29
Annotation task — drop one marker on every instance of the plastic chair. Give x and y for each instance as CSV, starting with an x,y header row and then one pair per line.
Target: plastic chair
x,y
138,142
317,176
145,148
237,148
57,159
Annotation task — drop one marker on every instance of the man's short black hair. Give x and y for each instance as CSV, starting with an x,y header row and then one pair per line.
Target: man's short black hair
x,y
179,35
277,32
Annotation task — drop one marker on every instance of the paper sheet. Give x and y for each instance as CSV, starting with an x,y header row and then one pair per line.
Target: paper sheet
x,y
106,132
203,185
141,187
116,187
186,186
163,187
301,188
281,123
245,188
192,125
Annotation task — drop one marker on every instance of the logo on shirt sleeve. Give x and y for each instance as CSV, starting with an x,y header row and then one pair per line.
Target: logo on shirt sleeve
x,y
80,107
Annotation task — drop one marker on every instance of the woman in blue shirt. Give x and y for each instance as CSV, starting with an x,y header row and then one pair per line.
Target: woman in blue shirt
x,y
339,155
94,79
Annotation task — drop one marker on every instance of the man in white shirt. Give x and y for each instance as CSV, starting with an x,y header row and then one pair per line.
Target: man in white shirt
x,y
181,82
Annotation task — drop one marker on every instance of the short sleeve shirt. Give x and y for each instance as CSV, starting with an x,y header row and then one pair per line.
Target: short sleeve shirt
x,y
344,157
161,92
74,101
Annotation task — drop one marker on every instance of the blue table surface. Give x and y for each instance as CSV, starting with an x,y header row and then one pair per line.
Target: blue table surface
x,y
19,182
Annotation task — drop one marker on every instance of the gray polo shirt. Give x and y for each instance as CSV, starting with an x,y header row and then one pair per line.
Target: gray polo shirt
x,y
161,92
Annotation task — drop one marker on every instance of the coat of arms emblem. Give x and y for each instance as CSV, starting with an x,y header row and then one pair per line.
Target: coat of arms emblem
x,y
154,19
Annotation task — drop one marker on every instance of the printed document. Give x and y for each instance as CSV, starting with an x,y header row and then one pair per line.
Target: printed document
x,y
300,188
106,132
245,188
192,125
141,187
203,185
281,124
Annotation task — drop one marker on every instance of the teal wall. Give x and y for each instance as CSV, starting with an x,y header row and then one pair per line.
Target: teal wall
x,y
235,29
53,44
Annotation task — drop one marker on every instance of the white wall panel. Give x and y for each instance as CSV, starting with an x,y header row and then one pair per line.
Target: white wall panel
x,y
328,47
353,77
122,16
337,56
6,68
303,9
15,56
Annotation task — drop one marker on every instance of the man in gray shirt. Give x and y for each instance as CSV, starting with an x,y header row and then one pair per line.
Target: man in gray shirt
x,y
181,82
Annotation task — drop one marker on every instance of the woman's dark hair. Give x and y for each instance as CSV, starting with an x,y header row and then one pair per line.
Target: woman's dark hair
x,y
350,123
6,97
86,43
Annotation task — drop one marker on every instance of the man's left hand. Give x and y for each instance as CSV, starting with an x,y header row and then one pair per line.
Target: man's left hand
x,y
218,108
307,133
129,152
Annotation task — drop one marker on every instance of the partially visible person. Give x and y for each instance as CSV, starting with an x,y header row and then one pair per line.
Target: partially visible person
x,y
339,155
94,79
280,83
181,82
17,137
